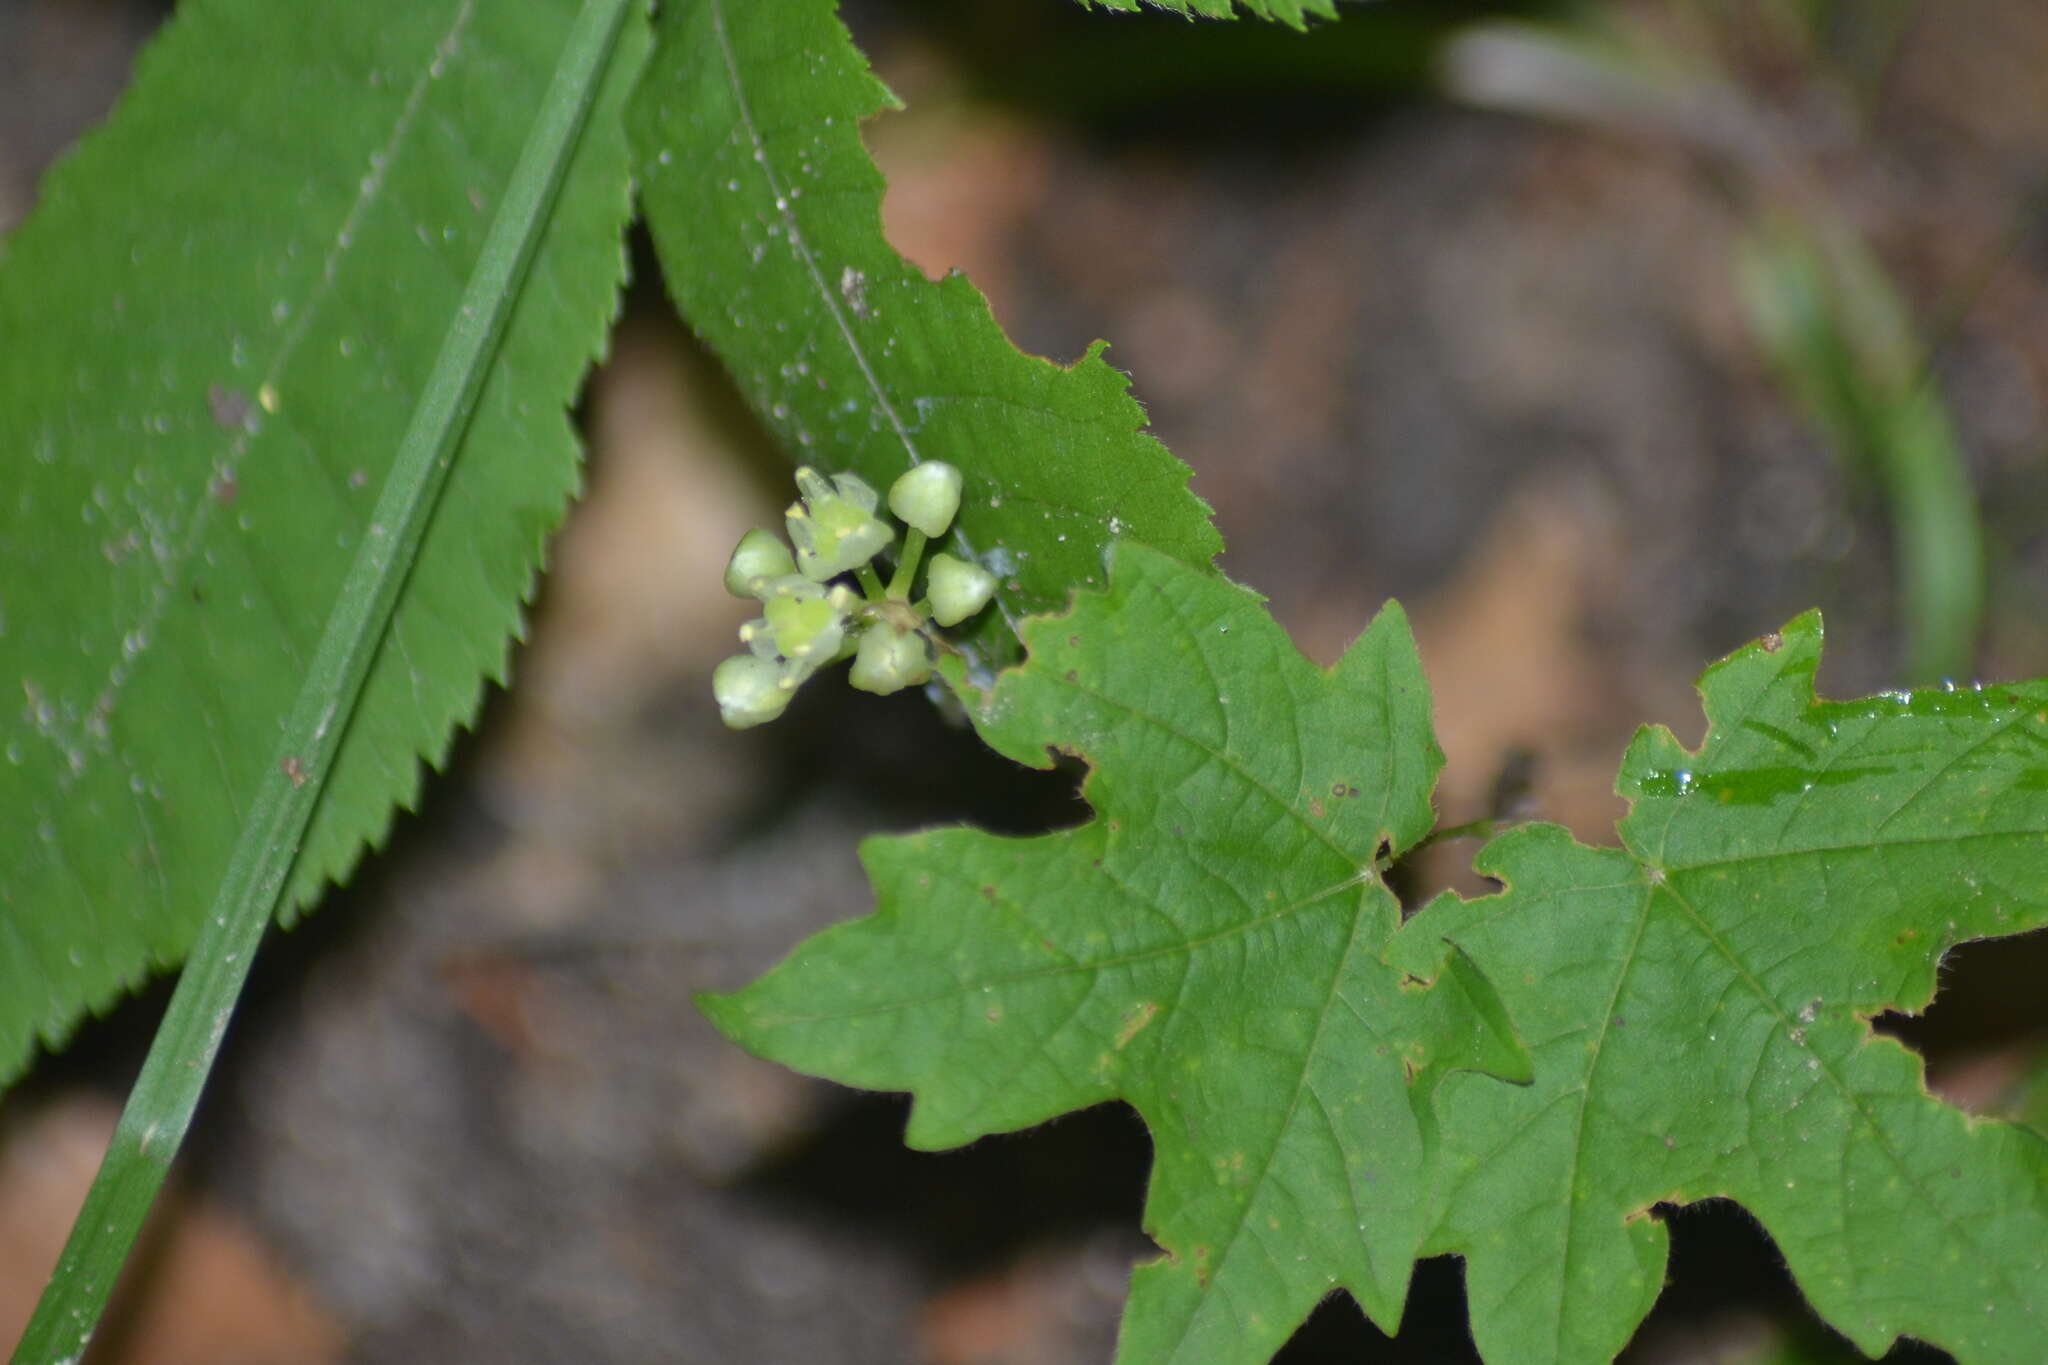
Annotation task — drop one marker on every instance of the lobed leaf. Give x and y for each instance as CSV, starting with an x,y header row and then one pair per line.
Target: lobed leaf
x,y
766,213
219,321
1697,1004
1216,947
1207,948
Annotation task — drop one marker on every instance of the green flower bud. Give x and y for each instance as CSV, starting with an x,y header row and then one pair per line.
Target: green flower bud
x,y
834,526
890,659
957,589
927,497
750,691
759,555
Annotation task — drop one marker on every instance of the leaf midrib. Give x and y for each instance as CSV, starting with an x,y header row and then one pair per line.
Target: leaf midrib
x,y
1333,990
171,572
1074,966
819,286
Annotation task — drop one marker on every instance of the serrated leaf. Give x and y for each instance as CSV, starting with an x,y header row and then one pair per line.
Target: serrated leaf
x,y
766,212
1294,13
217,324
1697,1007
1207,948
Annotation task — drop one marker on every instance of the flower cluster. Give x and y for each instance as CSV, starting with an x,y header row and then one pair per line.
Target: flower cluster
x,y
808,620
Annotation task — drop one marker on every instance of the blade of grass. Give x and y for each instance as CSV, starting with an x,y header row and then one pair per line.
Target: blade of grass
x,y
160,1107
1844,348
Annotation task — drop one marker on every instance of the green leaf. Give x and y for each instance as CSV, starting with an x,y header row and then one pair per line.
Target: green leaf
x,y
1697,1007
228,302
1207,947
2028,1103
1294,13
766,213
160,1106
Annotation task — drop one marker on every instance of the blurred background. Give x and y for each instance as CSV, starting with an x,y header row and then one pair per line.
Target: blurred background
x,y
1605,336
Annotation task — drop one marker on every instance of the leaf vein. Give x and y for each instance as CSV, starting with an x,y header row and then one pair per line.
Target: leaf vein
x,y
1852,1098
1182,950
143,632
800,246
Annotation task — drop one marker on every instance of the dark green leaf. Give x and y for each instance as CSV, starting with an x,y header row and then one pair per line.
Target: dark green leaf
x,y
219,323
1295,13
766,211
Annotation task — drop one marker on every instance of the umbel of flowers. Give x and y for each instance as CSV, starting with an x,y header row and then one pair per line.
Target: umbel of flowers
x,y
809,620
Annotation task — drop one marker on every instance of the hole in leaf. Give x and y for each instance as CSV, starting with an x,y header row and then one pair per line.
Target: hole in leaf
x,y
1988,1022
973,1209
1726,1285
1433,1326
899,759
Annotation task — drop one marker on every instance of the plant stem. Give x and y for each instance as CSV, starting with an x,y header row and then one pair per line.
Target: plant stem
x,y
870,582
1471,829
914,542
160,1107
